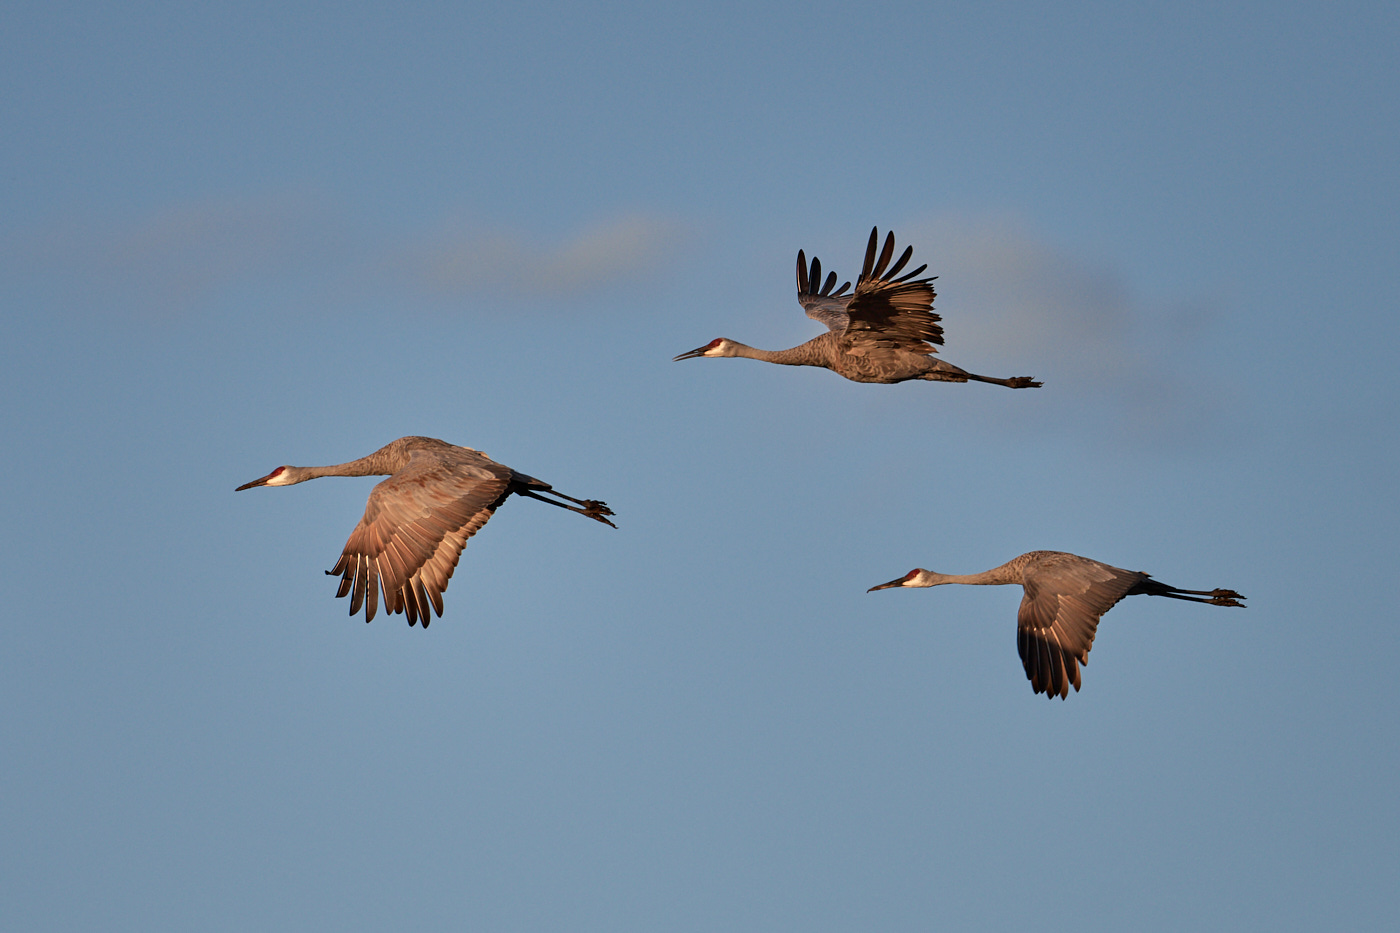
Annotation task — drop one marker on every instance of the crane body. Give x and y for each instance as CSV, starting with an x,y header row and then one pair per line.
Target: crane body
x,y
417,521
1065,596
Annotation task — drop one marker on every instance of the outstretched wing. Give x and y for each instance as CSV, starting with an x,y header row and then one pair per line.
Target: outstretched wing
x,y
891,312
1065,597
817,298
414,528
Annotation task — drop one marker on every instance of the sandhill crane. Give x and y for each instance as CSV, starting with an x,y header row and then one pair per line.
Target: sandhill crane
x,y
884,331
418,520
1065,595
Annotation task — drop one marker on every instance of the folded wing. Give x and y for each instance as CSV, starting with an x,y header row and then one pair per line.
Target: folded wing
x,y
413,531
1065,598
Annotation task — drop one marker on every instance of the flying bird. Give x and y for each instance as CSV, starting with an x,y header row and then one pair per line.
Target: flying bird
x,y
418,520
884,331
1065,595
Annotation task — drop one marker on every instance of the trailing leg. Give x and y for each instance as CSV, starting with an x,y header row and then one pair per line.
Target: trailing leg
x,y
1216,597
943,371
1015,382
590,507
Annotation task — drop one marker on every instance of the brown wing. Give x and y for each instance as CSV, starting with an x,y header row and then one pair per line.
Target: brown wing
x,y
415,526
892,312
1065,597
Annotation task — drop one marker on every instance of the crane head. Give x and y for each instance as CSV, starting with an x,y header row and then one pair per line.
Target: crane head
x,y
717,347
278,477
912,578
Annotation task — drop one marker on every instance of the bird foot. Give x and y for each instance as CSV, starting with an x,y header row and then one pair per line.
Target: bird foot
x,y
1225,601
1023,382
596,510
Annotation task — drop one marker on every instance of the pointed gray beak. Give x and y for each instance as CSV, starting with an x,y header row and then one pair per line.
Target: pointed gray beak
x,y
698,351
257,482
885,586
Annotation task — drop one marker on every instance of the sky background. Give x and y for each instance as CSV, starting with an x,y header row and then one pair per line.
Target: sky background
x,y
236,236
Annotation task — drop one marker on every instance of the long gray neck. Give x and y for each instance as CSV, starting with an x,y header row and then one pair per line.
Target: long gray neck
x,y
805,354
1009,572
384,461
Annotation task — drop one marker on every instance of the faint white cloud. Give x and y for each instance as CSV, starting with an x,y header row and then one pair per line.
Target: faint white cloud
x,y
186,257
459,261
178,258
1008,296
1013,304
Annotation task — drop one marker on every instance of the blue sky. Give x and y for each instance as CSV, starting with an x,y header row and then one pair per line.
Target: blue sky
x,y
238,236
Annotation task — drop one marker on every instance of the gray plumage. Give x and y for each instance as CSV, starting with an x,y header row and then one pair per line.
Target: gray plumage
x,y
418,520
1065,596
884,331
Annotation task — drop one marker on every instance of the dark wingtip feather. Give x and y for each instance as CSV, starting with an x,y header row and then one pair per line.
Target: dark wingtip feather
x,y
371,590
801,273
909,275
870,253
357,592
900,263
885,255
425,601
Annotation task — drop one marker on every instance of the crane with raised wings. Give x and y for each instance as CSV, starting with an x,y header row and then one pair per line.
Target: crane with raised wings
x,y
884,331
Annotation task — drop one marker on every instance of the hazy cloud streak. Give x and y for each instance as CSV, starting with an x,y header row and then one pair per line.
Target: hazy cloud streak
x,y
462,261
1013,304
185,257
179,258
